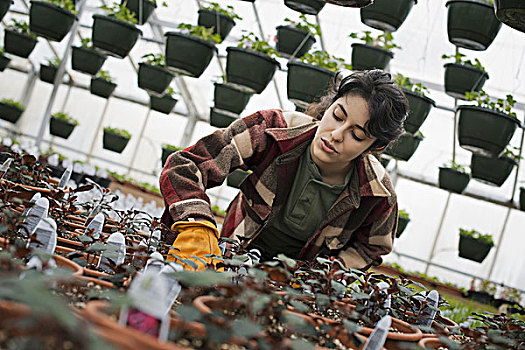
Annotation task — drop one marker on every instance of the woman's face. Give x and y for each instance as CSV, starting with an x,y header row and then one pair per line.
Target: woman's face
x,y
342,134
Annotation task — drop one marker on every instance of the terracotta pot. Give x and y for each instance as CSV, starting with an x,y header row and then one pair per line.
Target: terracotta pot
x,y
431,343
448,324
69,265
96,281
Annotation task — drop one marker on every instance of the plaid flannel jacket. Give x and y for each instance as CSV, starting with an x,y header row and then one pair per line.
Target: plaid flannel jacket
x,y
359,227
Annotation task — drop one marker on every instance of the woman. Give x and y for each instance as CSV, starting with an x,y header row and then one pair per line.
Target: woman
x,y
315,190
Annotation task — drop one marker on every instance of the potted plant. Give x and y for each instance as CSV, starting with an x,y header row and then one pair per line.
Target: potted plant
x,y
115,33
165,103
476,124
230,98
374,53
52,19
251,64
48,71
386,15
168,149
473,245
510,12
115,139
102,84
463,75
62,125
494,171
309,7
148,6
472,24
220,118
404,219
405,146
85,59
219,18
18,40
10,110
237,177
453,177
296,38
4,6
190,51
153,76
420,104
4,60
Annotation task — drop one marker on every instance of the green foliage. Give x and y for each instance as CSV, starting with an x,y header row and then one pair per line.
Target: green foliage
x,y
124,178
54,62
120,12
86,43
120,132
512,152
477,235
484,100
65,117
487,287
458,58
511,294
171,92
383,41
155,59
217,209
325,60
228,11
405,83
455,166
403,214
21,27
13,103
67,5
305,26
104,74
201,32
170,147
251,41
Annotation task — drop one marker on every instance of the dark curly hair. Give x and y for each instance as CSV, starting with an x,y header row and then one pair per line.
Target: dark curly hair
x,y
387,104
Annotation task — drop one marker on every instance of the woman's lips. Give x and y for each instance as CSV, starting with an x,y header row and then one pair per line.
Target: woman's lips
x,y
326,147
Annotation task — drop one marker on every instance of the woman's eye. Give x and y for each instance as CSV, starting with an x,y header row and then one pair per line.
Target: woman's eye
x,y
337,118
357,138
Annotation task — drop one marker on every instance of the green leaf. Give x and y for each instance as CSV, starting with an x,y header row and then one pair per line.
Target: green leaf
x,y
244,328
206,278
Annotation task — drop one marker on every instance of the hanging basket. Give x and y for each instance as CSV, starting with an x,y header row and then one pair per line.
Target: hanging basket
x,y
114,37
419,109
10,113
453,180
101,87
491,171
308,7
4,62
60,128
484,131
350,3
4,6
114,142
522,198
236,178
220,118
405,147
473,249
50,21
164,104
47,73
462,78
187,54
154,79
229,98
511,13
401,226
86,60
366,57
307,82
18,44
147,9
221,23
289,39
386,15
471,24
250,69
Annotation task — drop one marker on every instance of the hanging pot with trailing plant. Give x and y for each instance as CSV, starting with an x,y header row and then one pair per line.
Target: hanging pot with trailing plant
x,y
62,125
11,110
166,151
230,98
419,104
165,103
453,178
511,13
474,245
85,59
237,177
18,40
153,76
102,84
374,52
220,118
492,171
219,18
51,21
48,71
463,76
135,6
115,139
471,24
297,37
405,146
386,15
403,221
308,7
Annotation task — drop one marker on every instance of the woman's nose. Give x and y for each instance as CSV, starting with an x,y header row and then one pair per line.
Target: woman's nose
x,y
337,134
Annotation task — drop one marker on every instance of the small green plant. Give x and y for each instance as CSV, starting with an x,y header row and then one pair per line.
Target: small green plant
x,y
201,32
511,294
458,58
384,41
65,117
477,236
171,92
13,103
228,11
512,152
21,27
120,12
164,3
251,41
104,74
218,210
86,43
170,147
487,287
120,132
404,82
420,135
67,5
155,59
325,60
305,26
54,62
501,105
403,214
455,166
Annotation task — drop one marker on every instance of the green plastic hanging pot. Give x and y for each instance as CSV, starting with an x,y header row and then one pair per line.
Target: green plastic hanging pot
x,y
522,198
307,82
386,15
462,78
484,131
419,109
60,128
365,57
10,113
87,60
165,154
491,171
471,24
473,249
187,54
230,98
4,62
154,79
308,7
401,226
453,180
164,104
147,9
248,68
220,118
4,6
114,142
236,178
511,13
101,87
50,21
221,23
18,44
47,73
114,37
289,40
405,147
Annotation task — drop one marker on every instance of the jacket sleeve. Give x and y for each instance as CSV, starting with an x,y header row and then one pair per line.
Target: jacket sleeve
x,y
189,172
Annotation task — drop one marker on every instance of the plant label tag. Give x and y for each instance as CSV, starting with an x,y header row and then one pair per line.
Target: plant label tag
x,y
5,166
154,263
64,179
378,337
116,252
96,225
46,236
34,215
171,281
222,247
33,200
154,241
427,314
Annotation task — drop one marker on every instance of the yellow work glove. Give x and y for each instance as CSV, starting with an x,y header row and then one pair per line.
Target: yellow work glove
x,y
197,238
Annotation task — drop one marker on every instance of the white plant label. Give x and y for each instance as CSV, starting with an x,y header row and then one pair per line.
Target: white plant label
x,y
5,166
97,224
154,263
34,215
46,236
116,252
172,283
378,337
64,179
429,311
33,200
